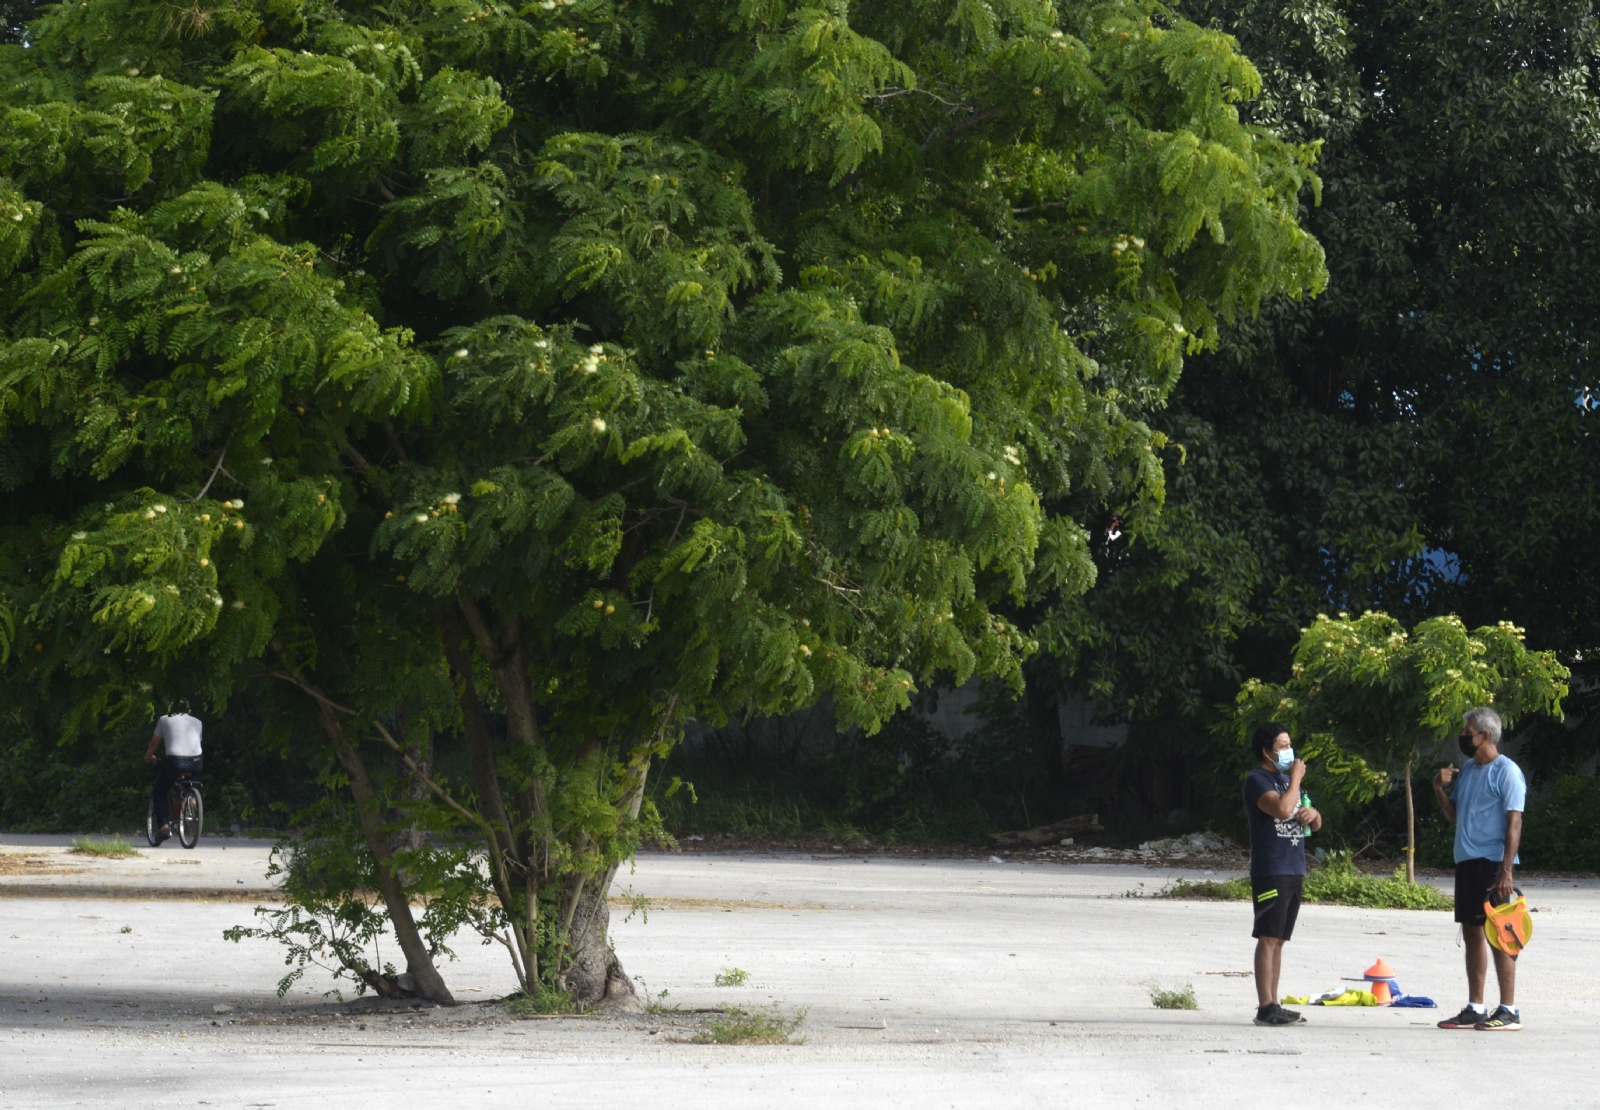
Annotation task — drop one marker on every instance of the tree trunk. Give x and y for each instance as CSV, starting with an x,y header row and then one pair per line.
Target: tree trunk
x,y
1411,829
501,839
429,983
594,976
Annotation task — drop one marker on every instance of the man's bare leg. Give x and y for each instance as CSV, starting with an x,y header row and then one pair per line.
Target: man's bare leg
x,y
1505,970
1477,946
1269,962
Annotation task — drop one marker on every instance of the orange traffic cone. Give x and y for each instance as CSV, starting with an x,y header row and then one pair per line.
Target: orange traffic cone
x,y
1381,976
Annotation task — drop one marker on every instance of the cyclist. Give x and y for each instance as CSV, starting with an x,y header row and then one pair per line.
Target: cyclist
x,y
181,733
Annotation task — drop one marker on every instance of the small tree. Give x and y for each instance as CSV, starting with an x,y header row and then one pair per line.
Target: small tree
x,y
1366,700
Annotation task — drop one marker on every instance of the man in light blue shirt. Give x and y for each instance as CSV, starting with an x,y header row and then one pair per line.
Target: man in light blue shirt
x,y
1486,806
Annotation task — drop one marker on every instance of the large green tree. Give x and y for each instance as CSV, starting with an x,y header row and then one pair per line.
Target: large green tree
x,y
512,384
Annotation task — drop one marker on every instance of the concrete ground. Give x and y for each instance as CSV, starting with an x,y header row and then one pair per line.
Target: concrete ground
x,y
923,981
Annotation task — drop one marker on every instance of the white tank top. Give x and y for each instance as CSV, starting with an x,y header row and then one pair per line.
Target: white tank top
x,y
181,733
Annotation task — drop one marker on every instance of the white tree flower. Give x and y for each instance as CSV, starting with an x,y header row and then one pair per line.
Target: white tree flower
x,y
461,353
80,535
597,349
421,518
1013,457
597,425
238,603
992,475
237,503
451,499
591,364
159,508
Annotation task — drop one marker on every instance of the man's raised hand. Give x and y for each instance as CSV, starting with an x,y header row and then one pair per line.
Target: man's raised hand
x,y
1446,773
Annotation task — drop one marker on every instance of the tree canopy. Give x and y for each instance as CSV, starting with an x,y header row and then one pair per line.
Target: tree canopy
x,y
501,386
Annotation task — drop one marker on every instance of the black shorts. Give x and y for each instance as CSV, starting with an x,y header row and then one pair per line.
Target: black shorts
x,y
1277,904
1474,877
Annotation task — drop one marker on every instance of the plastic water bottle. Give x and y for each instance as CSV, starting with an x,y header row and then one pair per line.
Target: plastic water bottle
x,y
1305,803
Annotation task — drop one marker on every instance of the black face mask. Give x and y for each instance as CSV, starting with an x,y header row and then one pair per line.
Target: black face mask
x,y
1468,748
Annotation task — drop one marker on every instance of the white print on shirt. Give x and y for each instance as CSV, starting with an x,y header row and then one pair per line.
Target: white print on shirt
x,y
1289,830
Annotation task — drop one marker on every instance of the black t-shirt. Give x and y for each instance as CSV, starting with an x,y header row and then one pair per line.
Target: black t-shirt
x,y
1276,847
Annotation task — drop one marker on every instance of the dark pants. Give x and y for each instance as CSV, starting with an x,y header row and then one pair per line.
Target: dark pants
x,y
167,773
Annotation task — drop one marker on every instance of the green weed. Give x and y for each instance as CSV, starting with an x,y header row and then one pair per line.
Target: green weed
x,y
751,1027
1176,999
115,848
545,1002
732,977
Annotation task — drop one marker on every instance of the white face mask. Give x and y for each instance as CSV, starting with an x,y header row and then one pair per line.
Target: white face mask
x,y
1284,758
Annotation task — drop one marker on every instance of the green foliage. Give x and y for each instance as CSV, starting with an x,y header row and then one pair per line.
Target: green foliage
x,y
328,879
1337,882
732,977
1562,829
494,391
798,779
1365,697
540,1003
737,1026
1178,998
1340,884
327,920
1418,439
115,848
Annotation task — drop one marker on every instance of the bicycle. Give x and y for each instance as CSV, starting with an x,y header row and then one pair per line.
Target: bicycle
x,y
185,809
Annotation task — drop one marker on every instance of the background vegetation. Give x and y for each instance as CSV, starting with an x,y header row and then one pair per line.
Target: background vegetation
x,y
1416,439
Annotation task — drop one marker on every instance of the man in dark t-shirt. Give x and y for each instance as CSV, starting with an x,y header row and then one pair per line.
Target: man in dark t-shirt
x,y
1277,860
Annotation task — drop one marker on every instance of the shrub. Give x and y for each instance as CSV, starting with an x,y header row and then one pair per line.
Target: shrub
x,y
1338,882
751,1027
1177,999
1562,830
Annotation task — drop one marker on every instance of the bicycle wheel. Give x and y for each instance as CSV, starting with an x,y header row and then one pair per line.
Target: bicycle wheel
x,y
189,823
150,826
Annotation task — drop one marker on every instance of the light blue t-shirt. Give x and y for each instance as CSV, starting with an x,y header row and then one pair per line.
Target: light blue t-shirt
x,y
1483,795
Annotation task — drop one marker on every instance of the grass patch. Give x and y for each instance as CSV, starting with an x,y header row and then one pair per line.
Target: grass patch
x,y
752,1027
1175,999
1338,882
115,848
732,977
545,1002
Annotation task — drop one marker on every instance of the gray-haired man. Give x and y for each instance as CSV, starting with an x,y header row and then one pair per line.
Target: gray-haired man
x,y
1486,806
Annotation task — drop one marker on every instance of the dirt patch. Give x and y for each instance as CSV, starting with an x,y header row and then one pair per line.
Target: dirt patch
x,y
727,905
21,863
133,892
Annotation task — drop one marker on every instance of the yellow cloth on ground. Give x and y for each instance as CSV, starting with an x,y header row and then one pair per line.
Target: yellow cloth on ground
x,y
1291,1000
1351,997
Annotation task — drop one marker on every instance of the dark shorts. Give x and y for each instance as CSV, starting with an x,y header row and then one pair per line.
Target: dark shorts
x,y
1277,904
1474,877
